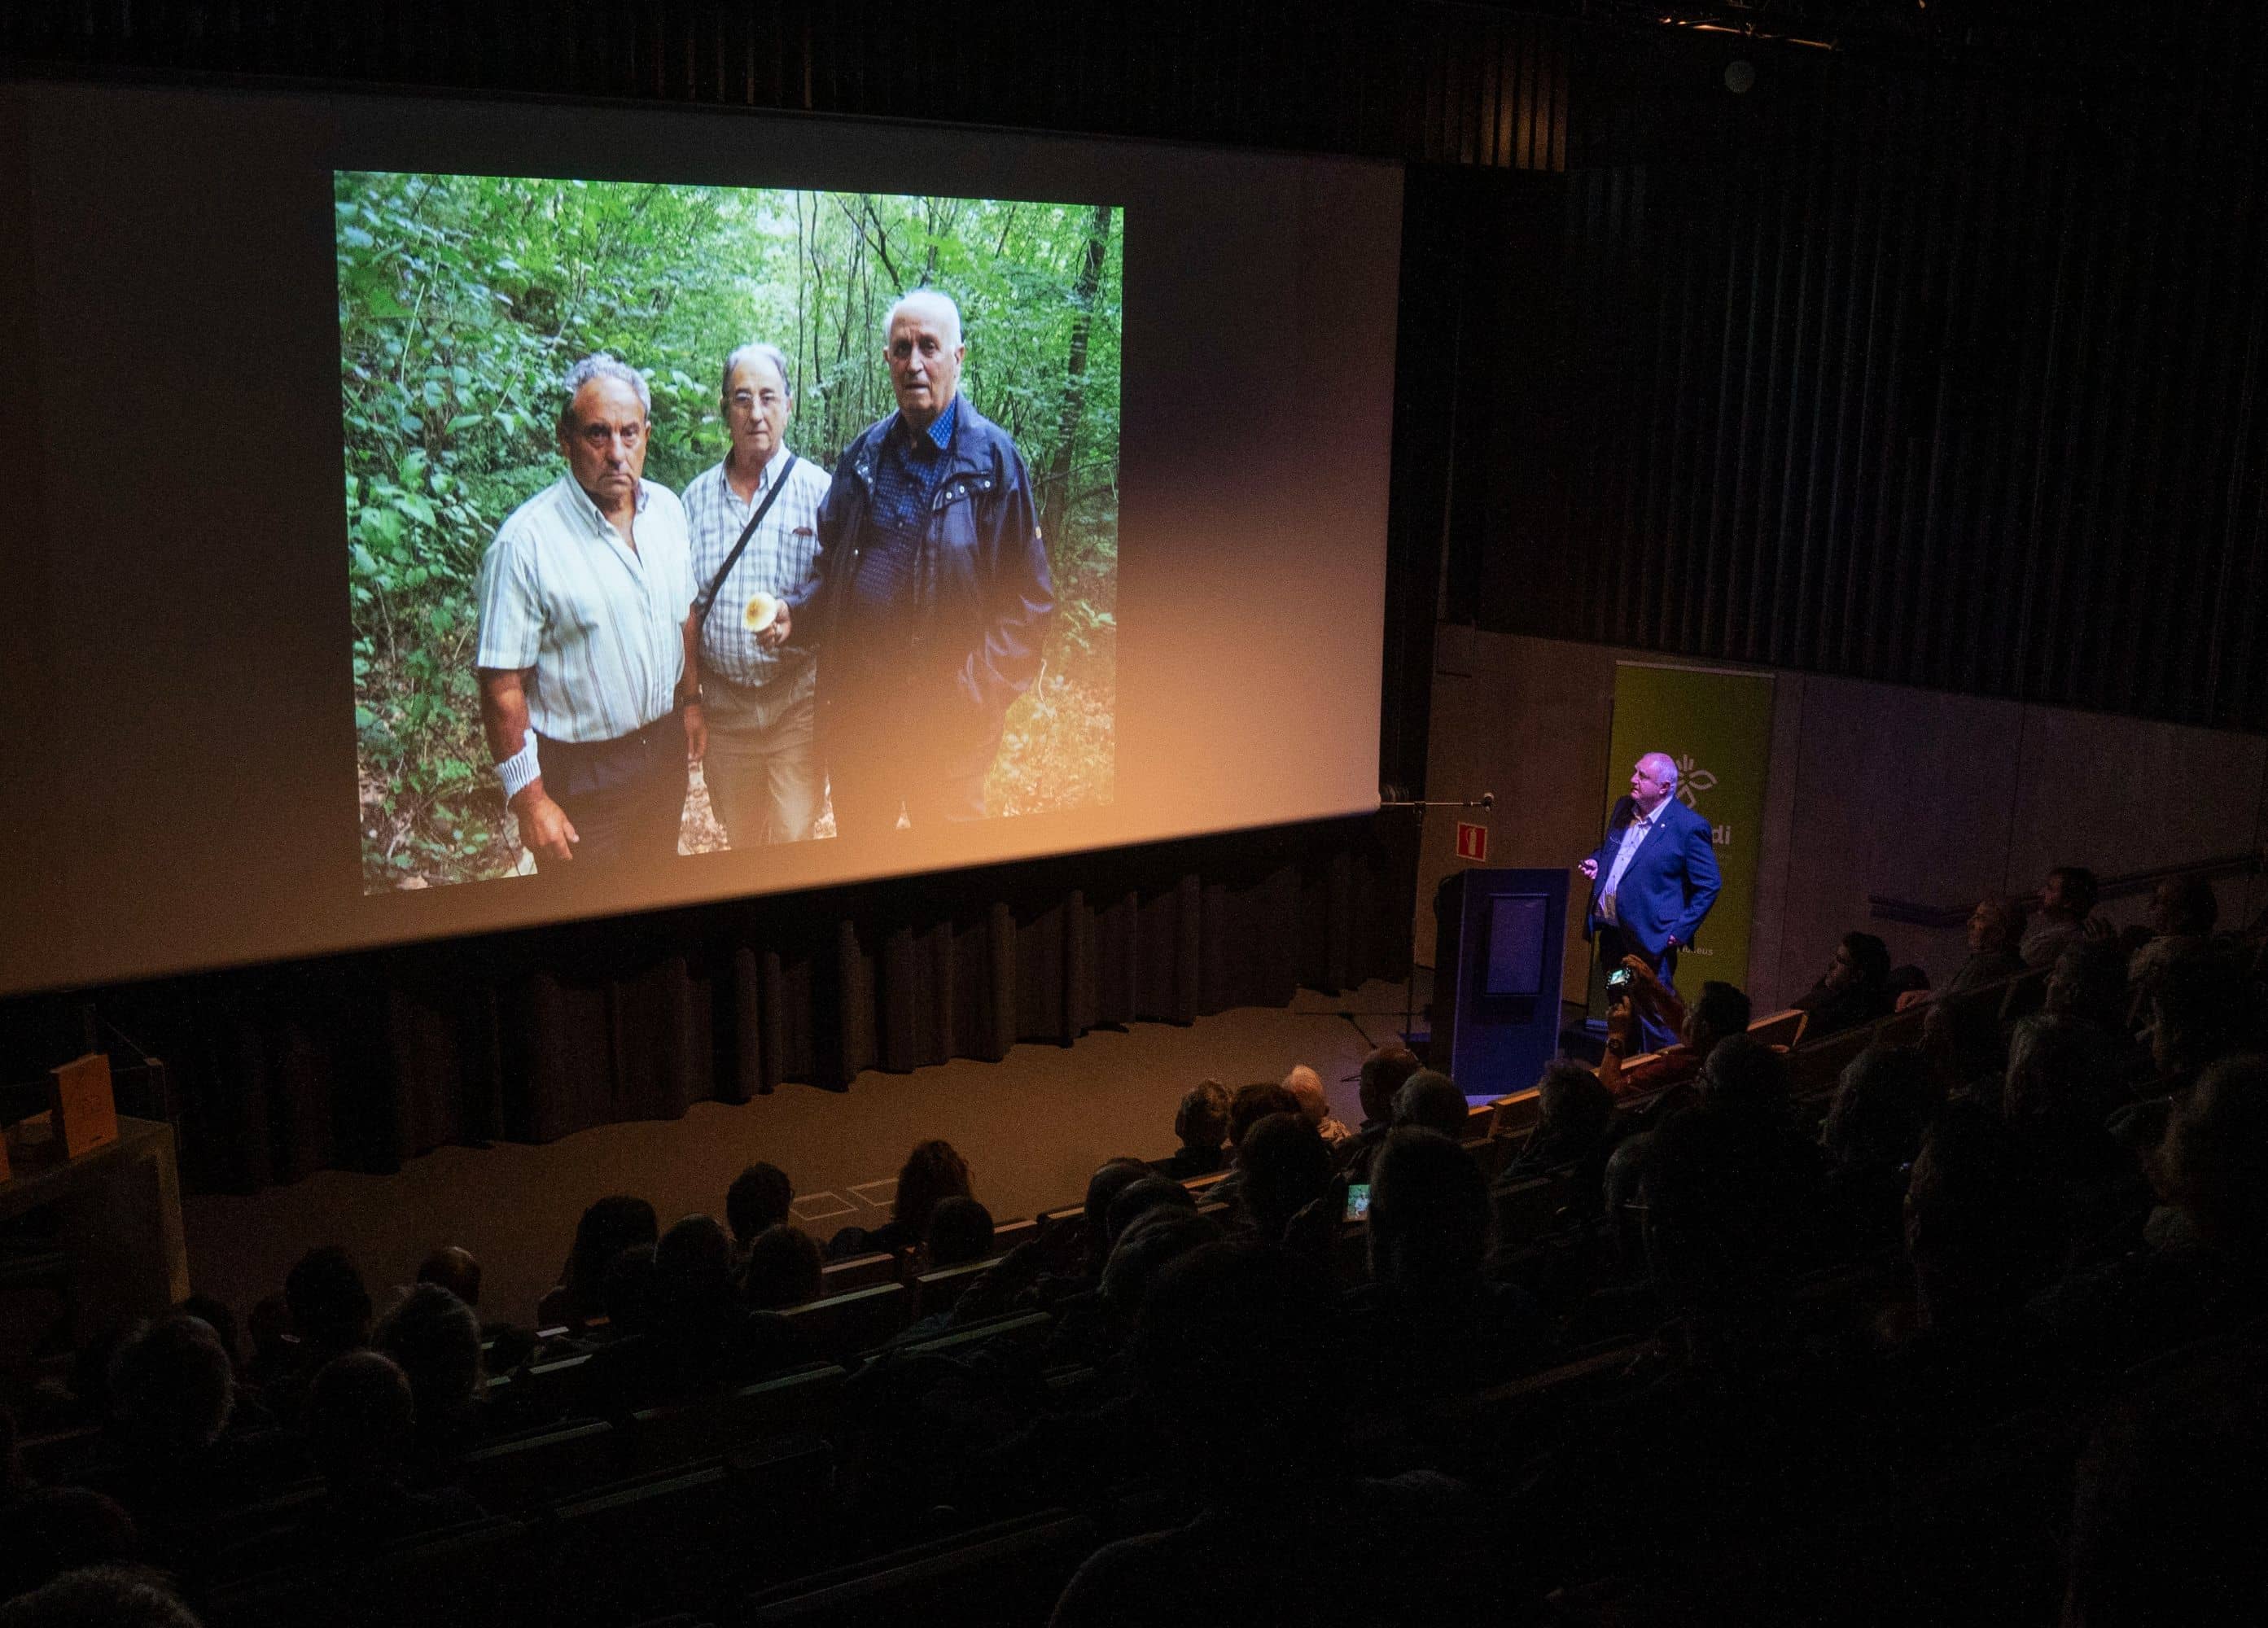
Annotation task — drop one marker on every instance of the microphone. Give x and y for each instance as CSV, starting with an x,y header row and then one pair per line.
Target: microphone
x,y
1488,799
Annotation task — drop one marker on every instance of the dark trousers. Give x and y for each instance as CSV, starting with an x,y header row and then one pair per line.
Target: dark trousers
x,y
625,797
903,749
1614,943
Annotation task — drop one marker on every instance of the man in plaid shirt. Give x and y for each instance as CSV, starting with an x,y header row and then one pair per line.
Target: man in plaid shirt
x,y
757,685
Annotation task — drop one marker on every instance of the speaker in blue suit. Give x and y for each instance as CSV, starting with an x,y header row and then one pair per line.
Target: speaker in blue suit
x,y
1653,879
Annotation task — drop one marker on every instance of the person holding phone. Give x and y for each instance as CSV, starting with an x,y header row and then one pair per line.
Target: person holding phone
x,y
1653,881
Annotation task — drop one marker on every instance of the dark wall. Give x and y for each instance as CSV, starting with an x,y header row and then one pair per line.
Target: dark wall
x,y
1935,377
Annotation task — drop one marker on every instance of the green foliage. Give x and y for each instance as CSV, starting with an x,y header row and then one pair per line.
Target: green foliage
x,y
464,299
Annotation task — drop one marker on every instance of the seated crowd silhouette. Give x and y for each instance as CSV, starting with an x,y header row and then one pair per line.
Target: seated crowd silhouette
x,y
1908,1304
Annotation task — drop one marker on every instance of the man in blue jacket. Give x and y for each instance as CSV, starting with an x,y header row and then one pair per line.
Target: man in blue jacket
x,y
936,589
1653,879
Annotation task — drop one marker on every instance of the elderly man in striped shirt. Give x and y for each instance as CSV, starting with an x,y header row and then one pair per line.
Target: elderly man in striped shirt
x,y
588,659
755,523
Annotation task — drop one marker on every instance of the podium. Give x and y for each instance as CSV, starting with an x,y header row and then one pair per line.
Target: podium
x,y
1501,941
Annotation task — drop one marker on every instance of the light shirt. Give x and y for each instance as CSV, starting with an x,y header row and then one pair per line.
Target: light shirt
x,y
781,559
1633,834
600,623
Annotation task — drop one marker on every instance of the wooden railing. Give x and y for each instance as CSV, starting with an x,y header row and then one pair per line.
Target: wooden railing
x,y
2131,883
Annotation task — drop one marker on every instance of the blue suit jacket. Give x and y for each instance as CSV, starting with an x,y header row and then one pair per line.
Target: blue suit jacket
x,y
1671,882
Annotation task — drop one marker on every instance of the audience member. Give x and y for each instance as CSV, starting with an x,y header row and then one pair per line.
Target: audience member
x,y
759,1196
628,1300
933,1172
2180,919
1573,1112
1138,1198
454,1268
960,1231
1435,1327
361,1419
1980,1233
1200,1122
330,1316
1253,1103
783,1269
435,1339
1431,1099
1384,1071
164,1452
1993,928
1854,990
2062,916
48,1531
2199,1010
609,1226
1883,1099
1306,1088
2165,1519
1287,1167
1154,1239
1238,1352
101,1596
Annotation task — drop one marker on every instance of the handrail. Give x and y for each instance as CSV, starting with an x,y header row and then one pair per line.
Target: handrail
x,y
1885,909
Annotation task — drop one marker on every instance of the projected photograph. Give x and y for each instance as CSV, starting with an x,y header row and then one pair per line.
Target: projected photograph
x,y
683,519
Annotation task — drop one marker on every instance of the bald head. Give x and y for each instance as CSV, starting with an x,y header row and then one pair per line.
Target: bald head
x,y
1654,779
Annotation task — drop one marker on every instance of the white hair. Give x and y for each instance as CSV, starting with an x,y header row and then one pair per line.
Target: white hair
x,y
772,356
1669,764
930,299
602,366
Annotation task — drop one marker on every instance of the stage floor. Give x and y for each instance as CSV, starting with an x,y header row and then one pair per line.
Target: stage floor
x,y
1033,1126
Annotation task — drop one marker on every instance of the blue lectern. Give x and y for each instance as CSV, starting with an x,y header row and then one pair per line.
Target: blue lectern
x,y
1499,938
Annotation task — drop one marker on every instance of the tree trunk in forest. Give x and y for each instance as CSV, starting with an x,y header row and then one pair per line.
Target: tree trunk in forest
x,y
1054,486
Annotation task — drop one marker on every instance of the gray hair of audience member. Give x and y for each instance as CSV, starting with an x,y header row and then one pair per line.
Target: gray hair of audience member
x,y
960,1231
784,1268
436,1340
170,1384
1743,1075
1430,1216
601,366
771,355
2212,1163
1141,1196
101,1596
1202,1119
455,1270
1883,1101
359,1416
1110,1180
1151,1240
935,301
1430,1097
1286,1166
1306,1088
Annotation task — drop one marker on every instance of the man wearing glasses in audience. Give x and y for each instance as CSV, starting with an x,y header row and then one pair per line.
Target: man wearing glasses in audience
x,y
588,659
937,592
755,523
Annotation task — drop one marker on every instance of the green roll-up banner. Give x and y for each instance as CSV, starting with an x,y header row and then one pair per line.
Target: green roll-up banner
x,y
1717,725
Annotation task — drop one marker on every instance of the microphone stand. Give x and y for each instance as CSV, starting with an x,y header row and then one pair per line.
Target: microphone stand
x,y
1398,797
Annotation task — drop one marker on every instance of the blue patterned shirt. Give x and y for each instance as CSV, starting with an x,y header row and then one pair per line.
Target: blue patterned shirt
x,y
906,478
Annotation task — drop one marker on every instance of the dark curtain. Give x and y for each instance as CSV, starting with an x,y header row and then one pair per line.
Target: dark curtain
x,y
363,1061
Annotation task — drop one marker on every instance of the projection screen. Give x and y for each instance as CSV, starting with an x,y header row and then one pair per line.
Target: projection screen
x,y
370,445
